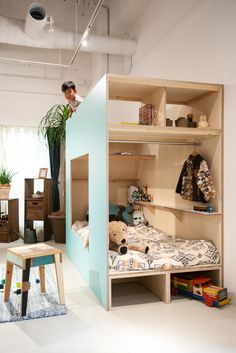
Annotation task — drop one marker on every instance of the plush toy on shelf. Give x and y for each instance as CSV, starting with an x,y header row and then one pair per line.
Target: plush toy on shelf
x,y
203,124
118,239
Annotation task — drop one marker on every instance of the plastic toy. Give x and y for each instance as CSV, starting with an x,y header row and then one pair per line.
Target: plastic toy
x,y
201,288
37,280
18,284
3,281
208,208
1,286
18,291
216,296
139,218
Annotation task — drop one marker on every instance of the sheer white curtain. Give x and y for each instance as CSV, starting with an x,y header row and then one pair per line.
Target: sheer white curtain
x,y
22,150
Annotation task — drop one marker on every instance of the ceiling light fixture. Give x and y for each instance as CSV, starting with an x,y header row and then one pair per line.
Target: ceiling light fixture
x,y
85,43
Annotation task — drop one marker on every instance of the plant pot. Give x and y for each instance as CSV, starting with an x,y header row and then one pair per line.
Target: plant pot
x,y
58,224
4,191
30,236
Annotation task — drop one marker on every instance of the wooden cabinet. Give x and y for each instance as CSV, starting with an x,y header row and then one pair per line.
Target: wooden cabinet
x,y
9,220
38,209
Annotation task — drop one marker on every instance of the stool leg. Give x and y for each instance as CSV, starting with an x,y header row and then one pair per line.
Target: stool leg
x,y
8,277
25,287
60,284
42,278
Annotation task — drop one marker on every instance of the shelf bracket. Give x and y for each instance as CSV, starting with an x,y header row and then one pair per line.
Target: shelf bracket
x,y
177,213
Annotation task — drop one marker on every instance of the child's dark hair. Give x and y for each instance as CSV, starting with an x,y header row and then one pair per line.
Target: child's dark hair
x,y
66,85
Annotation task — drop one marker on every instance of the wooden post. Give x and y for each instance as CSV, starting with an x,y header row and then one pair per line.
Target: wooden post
x,y
59,273
42,278
8,277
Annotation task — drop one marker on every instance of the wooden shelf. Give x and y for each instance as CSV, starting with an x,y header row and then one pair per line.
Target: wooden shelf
x,y
34,199
132,157
113,180
139,133
176,210
136,88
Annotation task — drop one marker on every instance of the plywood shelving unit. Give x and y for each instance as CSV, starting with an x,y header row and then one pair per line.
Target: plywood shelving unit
x,y
156,160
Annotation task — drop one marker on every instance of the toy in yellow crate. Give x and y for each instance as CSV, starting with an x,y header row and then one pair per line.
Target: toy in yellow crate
x,y
216,296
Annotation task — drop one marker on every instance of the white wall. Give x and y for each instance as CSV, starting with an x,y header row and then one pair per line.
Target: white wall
x,y
195,40
27,92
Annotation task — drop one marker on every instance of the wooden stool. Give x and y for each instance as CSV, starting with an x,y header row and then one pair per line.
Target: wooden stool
x,y
31,256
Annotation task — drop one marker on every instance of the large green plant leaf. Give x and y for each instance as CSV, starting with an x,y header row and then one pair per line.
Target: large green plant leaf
x,y
53,125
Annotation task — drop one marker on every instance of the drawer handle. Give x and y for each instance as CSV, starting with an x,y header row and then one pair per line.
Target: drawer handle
x,y
1,225
35,203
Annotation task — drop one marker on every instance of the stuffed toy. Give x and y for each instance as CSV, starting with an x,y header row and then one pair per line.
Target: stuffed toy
x,y
118,239
139,218
121,213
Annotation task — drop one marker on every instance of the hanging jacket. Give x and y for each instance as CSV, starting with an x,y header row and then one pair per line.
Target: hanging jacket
x,y
195,182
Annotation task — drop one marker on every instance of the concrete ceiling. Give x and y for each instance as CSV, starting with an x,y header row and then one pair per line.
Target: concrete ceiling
x,y
123,15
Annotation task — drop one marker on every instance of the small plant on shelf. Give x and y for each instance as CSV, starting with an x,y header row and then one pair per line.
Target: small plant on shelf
x,y
6,176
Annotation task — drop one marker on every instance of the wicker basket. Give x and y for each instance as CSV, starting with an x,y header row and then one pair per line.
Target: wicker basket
x,y
4,191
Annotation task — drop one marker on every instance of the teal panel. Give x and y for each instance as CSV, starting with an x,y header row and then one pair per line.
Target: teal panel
x,y
43,260
86,133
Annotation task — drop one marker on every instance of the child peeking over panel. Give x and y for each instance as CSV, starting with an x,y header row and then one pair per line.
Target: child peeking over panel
x,y
70,92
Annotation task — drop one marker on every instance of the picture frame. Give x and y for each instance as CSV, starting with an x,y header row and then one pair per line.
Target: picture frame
x,y
43,173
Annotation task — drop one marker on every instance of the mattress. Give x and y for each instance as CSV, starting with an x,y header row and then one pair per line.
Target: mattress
x,y
166,252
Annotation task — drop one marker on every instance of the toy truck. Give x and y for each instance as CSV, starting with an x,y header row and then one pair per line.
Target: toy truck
x,y
201,288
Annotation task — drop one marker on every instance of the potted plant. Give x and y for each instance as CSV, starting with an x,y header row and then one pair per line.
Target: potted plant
x,y
53,129
6,176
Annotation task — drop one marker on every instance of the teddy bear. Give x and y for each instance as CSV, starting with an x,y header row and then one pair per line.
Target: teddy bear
x,y
118,239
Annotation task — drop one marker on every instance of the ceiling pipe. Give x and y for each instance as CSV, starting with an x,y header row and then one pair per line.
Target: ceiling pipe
x,y
12,32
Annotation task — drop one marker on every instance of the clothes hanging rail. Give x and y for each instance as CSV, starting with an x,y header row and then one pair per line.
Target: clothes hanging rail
x,y
177,143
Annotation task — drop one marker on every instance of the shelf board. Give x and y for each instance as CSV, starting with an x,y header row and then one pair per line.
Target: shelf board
x,y
141,133
132,157
176,210
113,180
129,88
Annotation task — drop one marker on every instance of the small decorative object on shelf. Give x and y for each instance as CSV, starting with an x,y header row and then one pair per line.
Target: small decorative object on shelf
x,y
181,122
124,153
38,195
203,124
43,173
208,209
147,115
169,122
191,123
137,193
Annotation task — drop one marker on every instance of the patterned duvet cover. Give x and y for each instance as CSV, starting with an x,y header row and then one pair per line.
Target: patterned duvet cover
x,y
165,252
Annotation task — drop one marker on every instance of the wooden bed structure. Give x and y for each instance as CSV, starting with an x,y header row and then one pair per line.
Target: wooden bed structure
x,y
94,176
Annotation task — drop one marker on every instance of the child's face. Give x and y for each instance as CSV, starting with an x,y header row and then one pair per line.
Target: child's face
x,y
70,94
